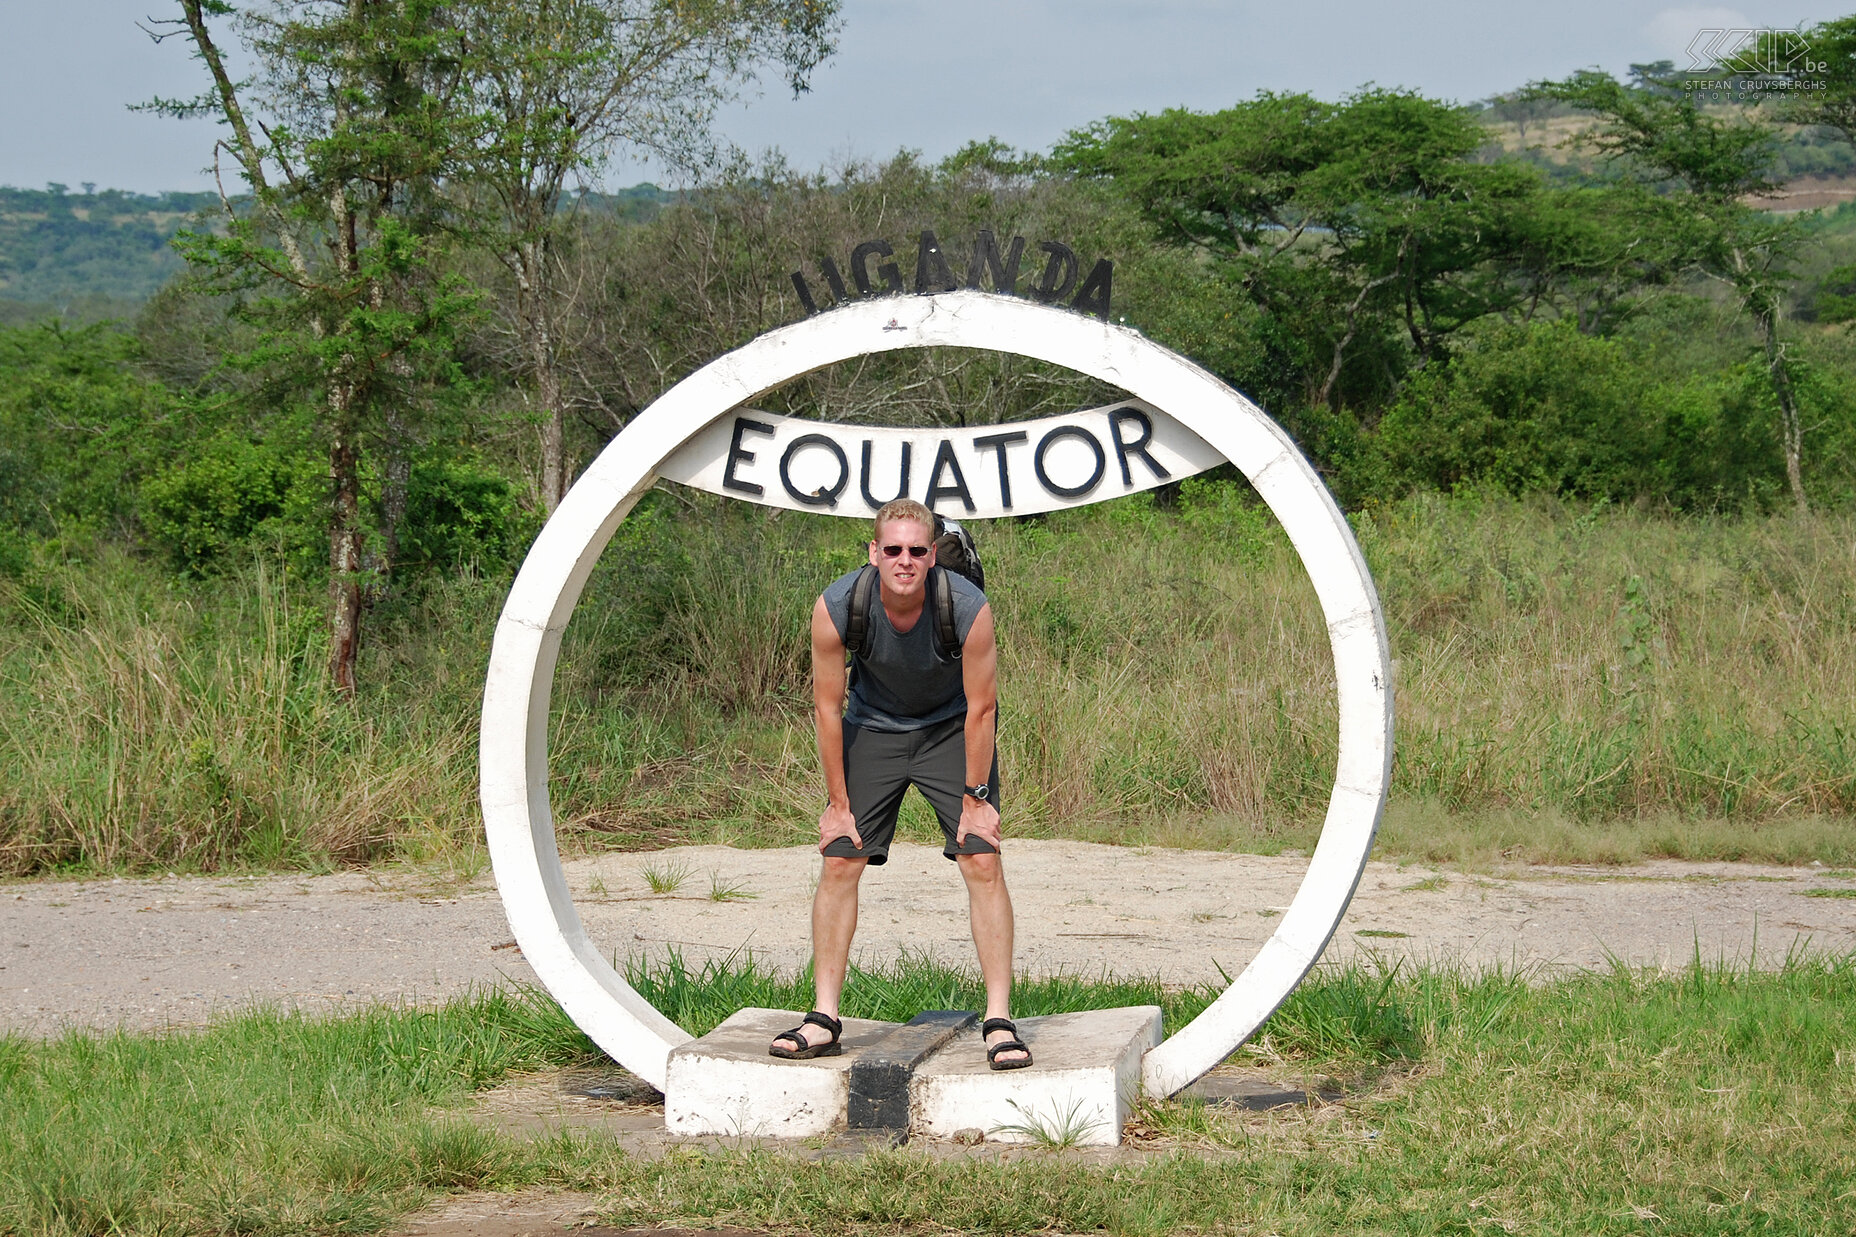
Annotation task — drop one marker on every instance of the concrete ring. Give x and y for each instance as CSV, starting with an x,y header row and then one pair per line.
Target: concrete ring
x,y
514,752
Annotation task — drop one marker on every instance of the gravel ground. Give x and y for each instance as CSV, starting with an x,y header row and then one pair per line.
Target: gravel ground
x,y
176,951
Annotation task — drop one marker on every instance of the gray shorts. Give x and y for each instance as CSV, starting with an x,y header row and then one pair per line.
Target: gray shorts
x,y
881,765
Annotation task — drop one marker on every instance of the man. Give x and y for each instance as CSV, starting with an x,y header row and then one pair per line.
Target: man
x,y
907,714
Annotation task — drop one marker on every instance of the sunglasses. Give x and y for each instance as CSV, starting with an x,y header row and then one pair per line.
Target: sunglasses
x,y
915,551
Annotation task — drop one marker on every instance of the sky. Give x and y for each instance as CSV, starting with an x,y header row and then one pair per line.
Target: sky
x,y
928,76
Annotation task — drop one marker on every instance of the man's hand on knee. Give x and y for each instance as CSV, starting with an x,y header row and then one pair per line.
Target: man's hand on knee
x,y
837,822
981,820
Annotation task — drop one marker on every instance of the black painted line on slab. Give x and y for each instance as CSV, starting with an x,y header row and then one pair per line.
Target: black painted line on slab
x,y
880,1076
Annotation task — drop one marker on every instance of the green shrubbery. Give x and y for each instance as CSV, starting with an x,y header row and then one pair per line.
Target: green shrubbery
x,y
80,428
93,449
93,452
1536,407
462,514
1543,408
224,495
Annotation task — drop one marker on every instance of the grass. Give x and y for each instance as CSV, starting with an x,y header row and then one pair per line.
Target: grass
x,y
1714,1098
665,877
698,998
145,726
1575,684
728,891
1584,1105
265,1123
1065,1126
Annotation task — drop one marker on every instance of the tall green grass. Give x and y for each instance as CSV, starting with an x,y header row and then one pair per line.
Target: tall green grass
x,y
145,723
1574,682
1610,663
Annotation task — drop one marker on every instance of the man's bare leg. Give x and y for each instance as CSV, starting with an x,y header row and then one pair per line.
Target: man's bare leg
x,y
989,906
834,922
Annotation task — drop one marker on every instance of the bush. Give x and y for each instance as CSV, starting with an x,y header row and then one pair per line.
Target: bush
x,y
1542,407
219,499
458,514
15,557
24,494
80,429
1531,407
1832,298
1719,442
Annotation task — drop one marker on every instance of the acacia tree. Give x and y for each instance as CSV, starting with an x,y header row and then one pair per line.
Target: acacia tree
x,y
564,83
338,148
1819,66
1355,224
1596,254
1707,167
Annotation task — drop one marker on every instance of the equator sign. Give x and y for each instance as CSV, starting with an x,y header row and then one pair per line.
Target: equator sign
x,y
980,472
703,423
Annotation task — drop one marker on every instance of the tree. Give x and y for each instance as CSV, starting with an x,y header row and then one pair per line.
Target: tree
x,y
713,269
1354,225
1815,70
1540,406
343,142
1707,166
564,82
1596,254
1521,111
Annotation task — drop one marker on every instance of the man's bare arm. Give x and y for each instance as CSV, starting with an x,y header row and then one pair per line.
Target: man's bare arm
x,y
979,671
828,687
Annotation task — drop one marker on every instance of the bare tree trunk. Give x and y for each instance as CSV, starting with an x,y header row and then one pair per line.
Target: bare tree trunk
x,y
344,555
548,395
1353,326
533,285
344,483
1791,425
393,489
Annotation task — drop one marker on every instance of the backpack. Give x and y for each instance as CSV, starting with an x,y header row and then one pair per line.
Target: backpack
x,y
953,551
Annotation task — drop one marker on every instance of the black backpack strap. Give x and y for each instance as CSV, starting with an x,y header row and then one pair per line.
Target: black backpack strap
x,y
941,598
863,596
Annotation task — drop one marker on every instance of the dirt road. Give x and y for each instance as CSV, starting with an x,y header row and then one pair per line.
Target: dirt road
x,y
154,953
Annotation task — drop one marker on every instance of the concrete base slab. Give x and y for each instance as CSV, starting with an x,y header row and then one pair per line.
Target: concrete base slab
x,y
1080,1088
725,1083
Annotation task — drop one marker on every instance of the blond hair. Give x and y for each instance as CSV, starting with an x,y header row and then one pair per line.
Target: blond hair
x,y
902,509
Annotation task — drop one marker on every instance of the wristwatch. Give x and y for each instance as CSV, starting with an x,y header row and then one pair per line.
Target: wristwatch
x,y
982,792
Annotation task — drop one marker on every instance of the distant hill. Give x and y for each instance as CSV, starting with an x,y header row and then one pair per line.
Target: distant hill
x,y
102,252
58,247
1541,132
638,204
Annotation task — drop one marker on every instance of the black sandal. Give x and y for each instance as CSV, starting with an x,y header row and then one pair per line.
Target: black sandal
x,y
806,1051
1007,1045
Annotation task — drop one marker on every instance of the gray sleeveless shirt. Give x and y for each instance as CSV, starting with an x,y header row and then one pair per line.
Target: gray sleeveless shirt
x,y
900,681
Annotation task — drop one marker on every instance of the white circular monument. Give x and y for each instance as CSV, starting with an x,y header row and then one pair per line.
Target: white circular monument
x,y
700,431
